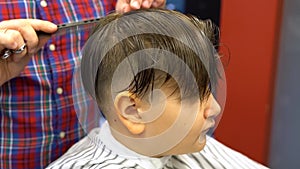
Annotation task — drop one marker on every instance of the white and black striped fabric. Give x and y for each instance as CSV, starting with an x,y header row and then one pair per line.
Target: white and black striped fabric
x,y
110,154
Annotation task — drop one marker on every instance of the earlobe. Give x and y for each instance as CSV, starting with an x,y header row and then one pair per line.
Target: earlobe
x,y
128,113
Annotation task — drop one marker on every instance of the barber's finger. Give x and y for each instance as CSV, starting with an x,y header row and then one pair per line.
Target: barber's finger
x,y
28,28
122,6
20,50
30,37
135,4
147,3
44,26
17,57
38,25
159,3
7,41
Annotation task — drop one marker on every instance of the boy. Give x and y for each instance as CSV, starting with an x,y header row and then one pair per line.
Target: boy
x,y
153,79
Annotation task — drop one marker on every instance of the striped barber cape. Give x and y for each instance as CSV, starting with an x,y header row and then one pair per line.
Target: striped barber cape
x,y
108,153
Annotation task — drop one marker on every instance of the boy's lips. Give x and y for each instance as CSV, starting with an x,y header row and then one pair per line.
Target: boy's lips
x,y
207,129
211,122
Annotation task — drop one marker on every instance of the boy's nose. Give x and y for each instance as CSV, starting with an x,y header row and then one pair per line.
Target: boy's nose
x,y
215,106
214,109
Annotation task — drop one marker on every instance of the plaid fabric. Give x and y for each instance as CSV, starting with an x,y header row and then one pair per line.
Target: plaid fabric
x,y
38,123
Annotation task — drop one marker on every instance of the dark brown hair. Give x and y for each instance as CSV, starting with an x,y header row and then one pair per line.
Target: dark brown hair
x,y
118,36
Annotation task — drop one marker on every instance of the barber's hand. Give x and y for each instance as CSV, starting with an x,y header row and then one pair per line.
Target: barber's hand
x,y
13,35
128,5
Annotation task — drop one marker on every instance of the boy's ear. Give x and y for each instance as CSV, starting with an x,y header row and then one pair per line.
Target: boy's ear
x,y
126,108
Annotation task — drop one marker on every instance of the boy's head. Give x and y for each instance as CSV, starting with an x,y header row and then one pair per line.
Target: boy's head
x,y
152,73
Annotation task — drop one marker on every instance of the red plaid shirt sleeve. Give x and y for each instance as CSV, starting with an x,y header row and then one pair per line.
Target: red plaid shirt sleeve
x,y
37,116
